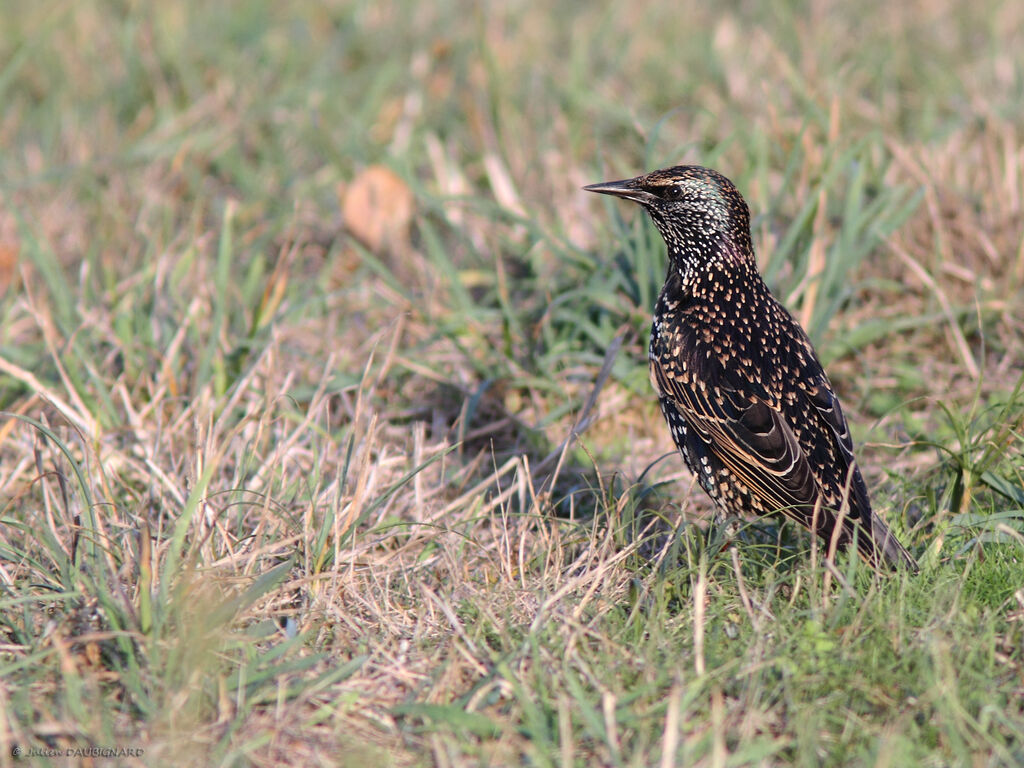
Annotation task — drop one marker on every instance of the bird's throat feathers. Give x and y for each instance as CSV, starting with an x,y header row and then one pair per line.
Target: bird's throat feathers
x,y
714,262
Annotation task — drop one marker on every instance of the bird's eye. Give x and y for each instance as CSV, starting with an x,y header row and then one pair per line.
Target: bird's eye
x,y
672,192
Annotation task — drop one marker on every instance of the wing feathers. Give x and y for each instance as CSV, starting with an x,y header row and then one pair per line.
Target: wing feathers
x,y
754,441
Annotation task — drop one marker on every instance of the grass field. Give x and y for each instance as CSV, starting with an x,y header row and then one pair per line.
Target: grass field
x,y
327,436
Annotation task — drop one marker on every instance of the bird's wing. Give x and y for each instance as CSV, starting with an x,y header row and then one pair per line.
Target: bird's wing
x,y
837,451
750,438
744,434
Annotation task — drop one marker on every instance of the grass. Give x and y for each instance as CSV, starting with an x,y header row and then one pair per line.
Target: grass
x,y
327,437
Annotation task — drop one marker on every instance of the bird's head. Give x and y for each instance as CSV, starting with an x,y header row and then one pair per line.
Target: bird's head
x,y
698,211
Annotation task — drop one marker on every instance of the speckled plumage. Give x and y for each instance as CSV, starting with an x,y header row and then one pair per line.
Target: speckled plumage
x,y
745,398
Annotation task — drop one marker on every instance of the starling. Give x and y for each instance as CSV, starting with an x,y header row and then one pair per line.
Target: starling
x,y
740,386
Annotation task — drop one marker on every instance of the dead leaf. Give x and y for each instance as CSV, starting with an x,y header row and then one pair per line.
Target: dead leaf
x,y
377,209
8,265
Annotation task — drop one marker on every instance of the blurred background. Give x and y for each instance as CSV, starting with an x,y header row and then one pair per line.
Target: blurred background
x,y
435,153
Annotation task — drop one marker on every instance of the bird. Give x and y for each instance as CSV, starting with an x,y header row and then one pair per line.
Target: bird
x,y
746,399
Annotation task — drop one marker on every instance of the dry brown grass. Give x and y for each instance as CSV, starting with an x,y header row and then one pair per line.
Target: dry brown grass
x,y
204,376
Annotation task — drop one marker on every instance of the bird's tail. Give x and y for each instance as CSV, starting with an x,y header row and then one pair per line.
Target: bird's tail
x,y
885,549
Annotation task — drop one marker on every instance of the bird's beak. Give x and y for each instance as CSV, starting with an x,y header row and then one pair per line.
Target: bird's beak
x,y
628,189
